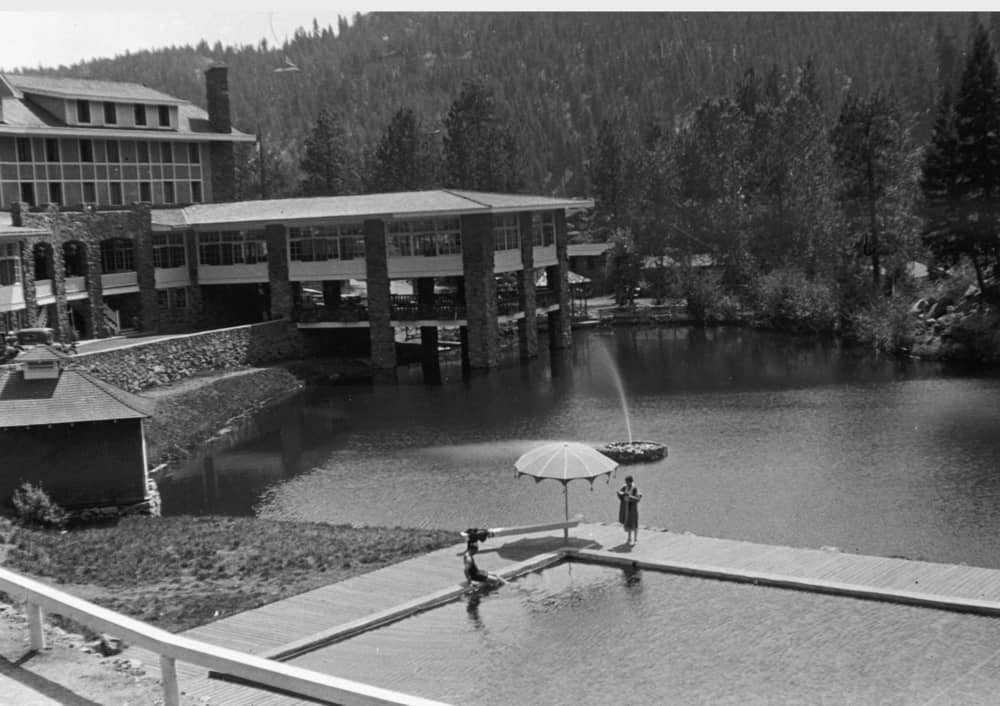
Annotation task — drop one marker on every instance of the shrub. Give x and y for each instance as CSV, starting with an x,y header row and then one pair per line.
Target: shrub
x,y
704,296
885,324
34,507
790,301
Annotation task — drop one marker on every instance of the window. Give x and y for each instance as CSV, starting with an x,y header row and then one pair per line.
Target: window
x,y
196,191
163,298
180,298
431,237
167,152
143,149
83,111
140,114
164,115
321,243
232,248
543,229
194,153
10,264
89,192
86,151
55,192
506,232
115,188
51,150
28,193
24,150
117,255
168,192
145,191
168,250
110,113
114,155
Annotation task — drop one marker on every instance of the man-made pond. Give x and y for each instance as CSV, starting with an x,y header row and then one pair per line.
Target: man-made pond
x,y
579,634
771,439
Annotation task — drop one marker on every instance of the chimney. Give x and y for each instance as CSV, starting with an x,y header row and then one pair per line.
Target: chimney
x,y
217,89
223,169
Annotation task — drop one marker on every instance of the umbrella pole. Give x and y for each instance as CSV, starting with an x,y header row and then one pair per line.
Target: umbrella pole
x,y
566,503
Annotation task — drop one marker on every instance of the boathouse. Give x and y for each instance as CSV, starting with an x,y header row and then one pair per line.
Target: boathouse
x,y
79,437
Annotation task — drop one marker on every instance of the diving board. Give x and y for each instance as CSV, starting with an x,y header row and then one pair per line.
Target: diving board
x,y
564,525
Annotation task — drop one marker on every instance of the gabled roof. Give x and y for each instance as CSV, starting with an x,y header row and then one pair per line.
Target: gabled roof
x,y
75,396
403,204
72,88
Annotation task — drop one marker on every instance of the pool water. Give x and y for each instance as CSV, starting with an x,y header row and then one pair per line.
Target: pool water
x,y
586,634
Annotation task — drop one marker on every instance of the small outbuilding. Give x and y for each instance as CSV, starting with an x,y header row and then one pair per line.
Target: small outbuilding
x,y
79,437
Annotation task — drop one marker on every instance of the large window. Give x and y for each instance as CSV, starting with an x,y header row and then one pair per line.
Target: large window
x,y
164,111
168,250
330,242
143,149
83,111
236,247
24,155
140,114
89,192
51,149
86,151
117,255
115,190
110,113
10,264
543,229
194,153
196,192
429,237
168,192
114,155
506,232
55,192
167,153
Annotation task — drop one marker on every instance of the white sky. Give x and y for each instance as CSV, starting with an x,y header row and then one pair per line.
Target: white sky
x,y
54,32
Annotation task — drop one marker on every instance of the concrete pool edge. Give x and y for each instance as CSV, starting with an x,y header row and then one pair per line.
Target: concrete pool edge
x,y
401,611
761,578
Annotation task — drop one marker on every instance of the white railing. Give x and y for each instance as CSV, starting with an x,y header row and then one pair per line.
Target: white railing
x,y
112,319
171,648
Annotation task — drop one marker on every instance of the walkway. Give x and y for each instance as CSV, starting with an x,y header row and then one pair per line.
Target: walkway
x,y
320,614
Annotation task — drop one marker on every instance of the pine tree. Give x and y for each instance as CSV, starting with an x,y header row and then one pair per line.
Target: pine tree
x,y
325,159
480,151
939,186
869,145
405,158
607,179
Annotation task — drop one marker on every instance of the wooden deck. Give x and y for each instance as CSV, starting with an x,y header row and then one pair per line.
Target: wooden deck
x,y
334,611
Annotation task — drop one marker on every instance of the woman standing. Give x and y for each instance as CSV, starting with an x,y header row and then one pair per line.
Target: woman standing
x,y
628,509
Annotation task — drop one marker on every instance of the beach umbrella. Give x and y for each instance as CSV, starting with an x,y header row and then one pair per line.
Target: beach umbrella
x,y
564,461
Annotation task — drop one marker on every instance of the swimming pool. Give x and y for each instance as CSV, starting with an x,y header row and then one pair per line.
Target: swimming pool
x,y
586,634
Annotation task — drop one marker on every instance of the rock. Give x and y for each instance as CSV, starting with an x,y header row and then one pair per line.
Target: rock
x,y
972,291
107,645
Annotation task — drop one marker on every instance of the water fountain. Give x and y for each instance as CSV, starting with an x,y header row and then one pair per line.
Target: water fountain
x,y
631,451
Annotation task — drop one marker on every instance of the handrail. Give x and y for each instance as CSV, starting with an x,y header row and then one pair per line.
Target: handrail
x,y
277,675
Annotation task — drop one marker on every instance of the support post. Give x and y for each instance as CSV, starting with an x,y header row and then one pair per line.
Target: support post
x,y
36,626
566,503
171,693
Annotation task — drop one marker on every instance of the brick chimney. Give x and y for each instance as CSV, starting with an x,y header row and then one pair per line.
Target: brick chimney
x,y
220,120
217,89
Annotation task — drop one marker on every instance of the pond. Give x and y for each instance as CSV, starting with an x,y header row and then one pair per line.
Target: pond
x,y
771,438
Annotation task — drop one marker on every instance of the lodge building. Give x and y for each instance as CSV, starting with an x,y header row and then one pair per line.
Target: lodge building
x,y
121,216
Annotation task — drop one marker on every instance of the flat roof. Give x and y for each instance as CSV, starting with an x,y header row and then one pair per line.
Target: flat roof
x,y
404,204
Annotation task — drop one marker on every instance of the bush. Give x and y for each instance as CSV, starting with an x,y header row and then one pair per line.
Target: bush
x,y
704,296
790,301
885,324
34,507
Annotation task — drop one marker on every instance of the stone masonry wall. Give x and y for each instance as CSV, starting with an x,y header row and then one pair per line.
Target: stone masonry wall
x,y
480,290
160,362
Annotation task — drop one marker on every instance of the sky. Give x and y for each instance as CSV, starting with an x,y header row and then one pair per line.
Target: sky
x,y
51,33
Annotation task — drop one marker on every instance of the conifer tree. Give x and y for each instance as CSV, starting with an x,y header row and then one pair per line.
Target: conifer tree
x,y
480,151
325,158
607,179
404,159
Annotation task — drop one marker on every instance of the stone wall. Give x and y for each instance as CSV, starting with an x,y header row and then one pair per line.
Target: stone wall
x,y
164,361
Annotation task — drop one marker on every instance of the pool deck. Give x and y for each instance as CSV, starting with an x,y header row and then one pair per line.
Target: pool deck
x,y
290,627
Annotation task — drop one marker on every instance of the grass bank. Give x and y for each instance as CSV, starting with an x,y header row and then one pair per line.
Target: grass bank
x,y
181,572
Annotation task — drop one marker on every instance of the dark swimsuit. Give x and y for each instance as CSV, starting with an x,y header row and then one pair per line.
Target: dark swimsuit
x,y
472,572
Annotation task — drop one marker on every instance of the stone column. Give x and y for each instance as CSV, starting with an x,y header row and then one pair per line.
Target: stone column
x,y
277,272
560,321
480,290
527,327
196,300
381,332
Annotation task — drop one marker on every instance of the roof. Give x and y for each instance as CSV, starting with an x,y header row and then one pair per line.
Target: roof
x,y
20,117
75,396
88,88
403,204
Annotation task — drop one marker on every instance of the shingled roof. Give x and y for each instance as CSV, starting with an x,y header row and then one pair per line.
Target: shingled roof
x,y
75,396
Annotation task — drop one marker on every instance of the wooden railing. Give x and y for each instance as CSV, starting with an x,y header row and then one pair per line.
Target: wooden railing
x,y
172,648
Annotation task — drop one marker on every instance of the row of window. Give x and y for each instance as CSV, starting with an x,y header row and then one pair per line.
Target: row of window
x,y
173,298
10,264
106,151
329,242
428,237
139,113
507,231
243,247
111,192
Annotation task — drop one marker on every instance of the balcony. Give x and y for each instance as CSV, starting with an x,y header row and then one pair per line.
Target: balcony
x,y
406,308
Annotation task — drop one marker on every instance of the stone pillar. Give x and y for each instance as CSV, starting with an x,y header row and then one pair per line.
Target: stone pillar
x,y
560,321
429,360
277,272
332,291
527,327
196,299
141,227
381,332
480,290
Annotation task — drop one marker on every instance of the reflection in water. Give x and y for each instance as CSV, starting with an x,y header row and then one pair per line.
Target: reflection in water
x,y
771,439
